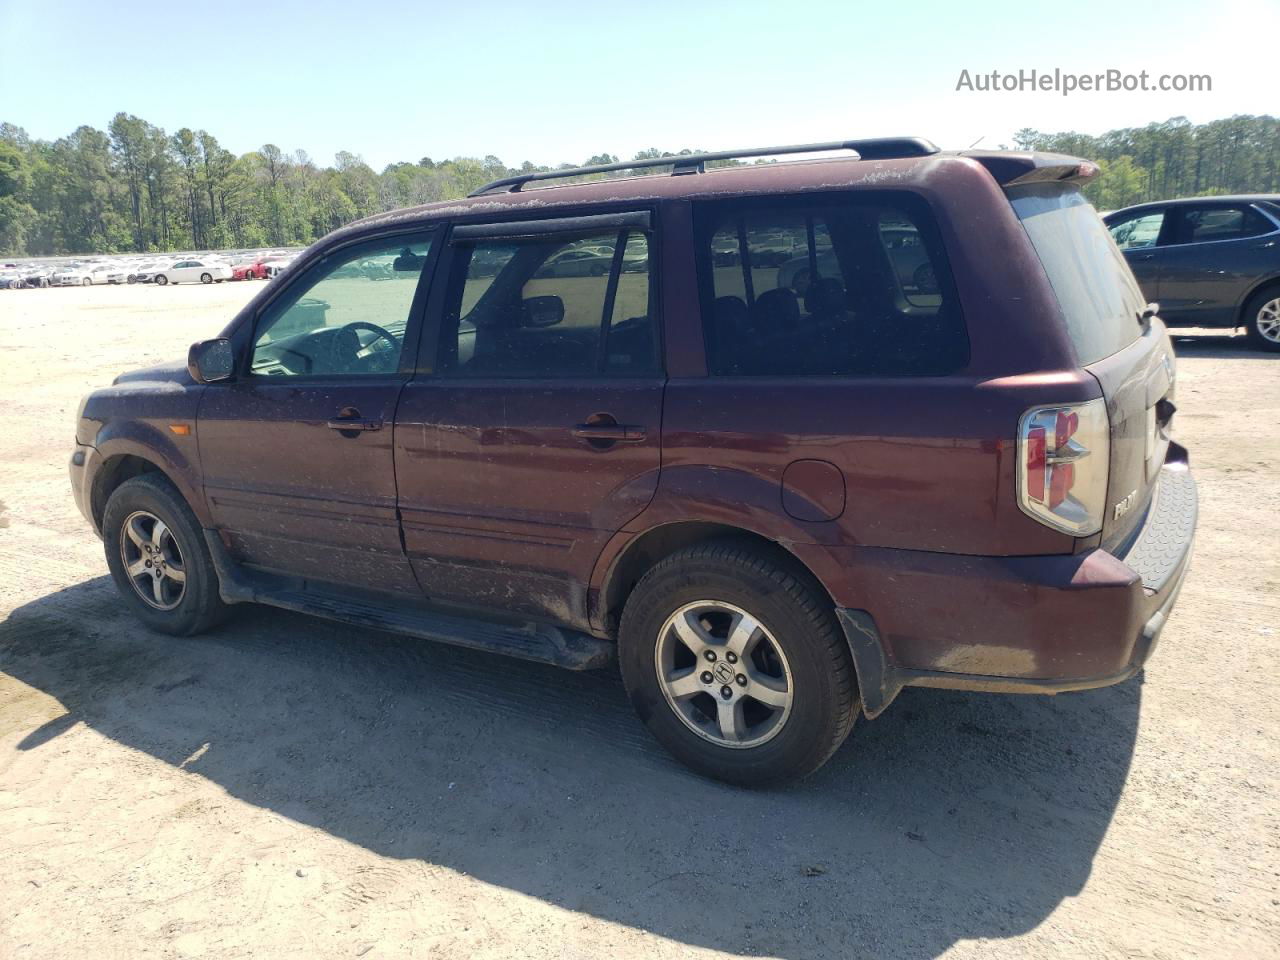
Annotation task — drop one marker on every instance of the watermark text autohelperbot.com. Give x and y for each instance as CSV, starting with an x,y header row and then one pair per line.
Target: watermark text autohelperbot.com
x,y
1065,83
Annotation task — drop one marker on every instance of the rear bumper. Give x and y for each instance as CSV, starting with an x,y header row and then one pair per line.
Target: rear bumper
x,y
1024,624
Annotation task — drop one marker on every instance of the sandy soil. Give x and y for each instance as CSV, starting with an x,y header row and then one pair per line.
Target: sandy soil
x,y
287,787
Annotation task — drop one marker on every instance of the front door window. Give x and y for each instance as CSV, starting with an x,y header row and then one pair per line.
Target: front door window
x,y
347,316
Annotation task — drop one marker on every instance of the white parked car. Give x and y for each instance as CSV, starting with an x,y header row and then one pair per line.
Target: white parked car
x,y
140,271
193,271
107,273
275,265
73,275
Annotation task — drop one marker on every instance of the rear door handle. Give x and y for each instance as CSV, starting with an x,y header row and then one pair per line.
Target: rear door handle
x,y
616,432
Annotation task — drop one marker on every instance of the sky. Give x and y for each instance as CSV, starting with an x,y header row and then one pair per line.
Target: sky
x,y
553,81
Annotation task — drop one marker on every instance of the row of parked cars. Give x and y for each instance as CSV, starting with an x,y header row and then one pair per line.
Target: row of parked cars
x,y
183,268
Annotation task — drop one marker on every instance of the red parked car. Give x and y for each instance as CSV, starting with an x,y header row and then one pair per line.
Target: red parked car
x,y
249,271
775,495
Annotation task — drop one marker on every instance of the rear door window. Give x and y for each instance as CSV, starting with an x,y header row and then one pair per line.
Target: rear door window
x,y
551,307
835,286
1100,298
1207,224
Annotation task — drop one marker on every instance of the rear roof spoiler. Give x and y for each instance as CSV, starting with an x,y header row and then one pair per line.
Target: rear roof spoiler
x,y
1015,168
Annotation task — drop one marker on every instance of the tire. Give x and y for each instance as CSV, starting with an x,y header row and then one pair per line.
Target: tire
x,y
206,278
144,503
161,280
86,282
800,656
1262,319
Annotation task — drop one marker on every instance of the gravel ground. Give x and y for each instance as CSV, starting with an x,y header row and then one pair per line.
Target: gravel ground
x,y
289,787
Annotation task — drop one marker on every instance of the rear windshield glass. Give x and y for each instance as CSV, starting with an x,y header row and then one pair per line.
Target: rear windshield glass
x,y
1097,291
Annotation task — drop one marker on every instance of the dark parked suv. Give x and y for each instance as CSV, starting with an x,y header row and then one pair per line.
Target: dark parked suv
x,y
774,465
1209,261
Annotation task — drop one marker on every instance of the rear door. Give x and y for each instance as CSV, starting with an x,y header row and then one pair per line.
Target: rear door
x,y
1217,252
1131,360
297,450
532,433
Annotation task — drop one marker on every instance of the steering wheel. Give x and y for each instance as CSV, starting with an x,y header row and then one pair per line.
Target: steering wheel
x,y
347,344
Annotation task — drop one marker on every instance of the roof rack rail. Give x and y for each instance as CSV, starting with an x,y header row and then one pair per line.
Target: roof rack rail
x,y
879,148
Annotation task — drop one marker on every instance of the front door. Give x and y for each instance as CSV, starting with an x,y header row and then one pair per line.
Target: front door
x,y
297,450
1139,237
537,435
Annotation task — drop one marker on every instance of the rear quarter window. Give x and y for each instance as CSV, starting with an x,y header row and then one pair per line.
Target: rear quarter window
x,y
1100,299
839,285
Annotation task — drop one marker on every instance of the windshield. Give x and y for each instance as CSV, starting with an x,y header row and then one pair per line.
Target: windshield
x,y
1099,296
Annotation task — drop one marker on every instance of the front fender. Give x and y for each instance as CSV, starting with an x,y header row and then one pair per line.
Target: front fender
x,y
129,420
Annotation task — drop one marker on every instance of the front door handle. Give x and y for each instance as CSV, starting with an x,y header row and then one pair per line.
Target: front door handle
x,y
612,432
353,423
349,420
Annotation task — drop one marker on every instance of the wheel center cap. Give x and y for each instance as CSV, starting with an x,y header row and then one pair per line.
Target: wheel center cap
x,y
723,672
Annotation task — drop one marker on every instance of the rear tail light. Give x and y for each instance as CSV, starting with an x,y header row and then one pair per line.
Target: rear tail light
x,y
1063,455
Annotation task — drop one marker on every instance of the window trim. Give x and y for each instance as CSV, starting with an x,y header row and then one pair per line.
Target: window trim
x,y
299,276
639,220
438,307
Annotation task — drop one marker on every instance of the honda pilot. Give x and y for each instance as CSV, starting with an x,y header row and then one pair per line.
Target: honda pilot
x,y
777,439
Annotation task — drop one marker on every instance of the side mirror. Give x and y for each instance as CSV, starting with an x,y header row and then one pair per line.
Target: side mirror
x,y
211,360
541,311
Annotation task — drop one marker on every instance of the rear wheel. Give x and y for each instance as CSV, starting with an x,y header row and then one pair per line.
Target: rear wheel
x,y
158,557
1262,319
737,665
206,278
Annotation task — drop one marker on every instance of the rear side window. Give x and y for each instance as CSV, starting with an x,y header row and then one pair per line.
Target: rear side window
x,y
832,286
1100,299
1206,224
551,307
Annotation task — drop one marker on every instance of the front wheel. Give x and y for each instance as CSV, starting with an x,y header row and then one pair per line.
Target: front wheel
x,y
161,280
1262,318
737,665
158,557
86,282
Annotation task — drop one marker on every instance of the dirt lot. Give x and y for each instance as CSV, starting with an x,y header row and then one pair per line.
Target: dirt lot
x,y
287,787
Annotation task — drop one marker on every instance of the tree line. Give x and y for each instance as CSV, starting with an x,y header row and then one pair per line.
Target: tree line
x,y
136,188
1177,158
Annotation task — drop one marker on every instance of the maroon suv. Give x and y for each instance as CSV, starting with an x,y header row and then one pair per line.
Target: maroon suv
x,y
788,438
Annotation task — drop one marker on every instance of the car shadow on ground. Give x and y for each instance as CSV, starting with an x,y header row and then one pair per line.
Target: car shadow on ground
x,y
951,817
1218,346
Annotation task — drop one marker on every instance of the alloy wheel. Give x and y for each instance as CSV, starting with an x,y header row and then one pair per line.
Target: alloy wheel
x,y
1268,320
153,560
724,674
